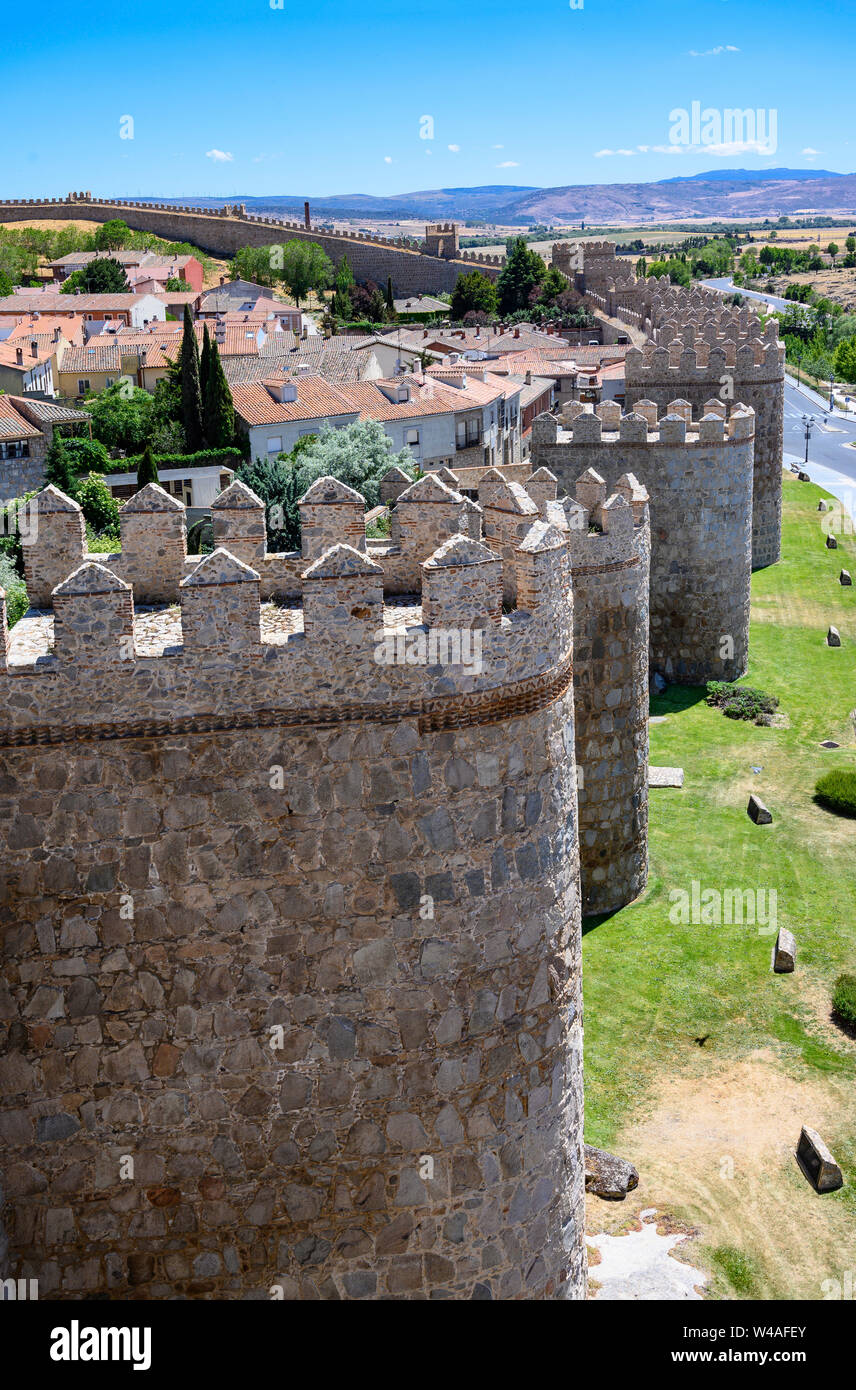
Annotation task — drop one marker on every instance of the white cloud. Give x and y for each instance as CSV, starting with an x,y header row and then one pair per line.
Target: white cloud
x,y
454,148
624,152
219,156
714,52
387,159
497,147
601,154
810,153
643,149
509,164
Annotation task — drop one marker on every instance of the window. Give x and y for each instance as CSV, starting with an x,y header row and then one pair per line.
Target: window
x,y
274,444
82,387
108,381
411,437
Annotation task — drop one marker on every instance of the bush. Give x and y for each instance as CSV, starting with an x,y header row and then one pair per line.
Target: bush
x,y
100,508
741,701
11,582
837,791
227,458
844,999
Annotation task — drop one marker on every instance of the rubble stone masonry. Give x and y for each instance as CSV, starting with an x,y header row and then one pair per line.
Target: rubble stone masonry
x,y
290,995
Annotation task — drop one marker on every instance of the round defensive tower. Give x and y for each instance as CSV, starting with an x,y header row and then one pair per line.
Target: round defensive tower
x,y
314,963
753,372
698,476
609,544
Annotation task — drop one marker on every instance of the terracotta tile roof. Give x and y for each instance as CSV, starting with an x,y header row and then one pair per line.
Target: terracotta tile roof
x,y
34,325
58,303
12,424
46,412
316,399
9,355
95,357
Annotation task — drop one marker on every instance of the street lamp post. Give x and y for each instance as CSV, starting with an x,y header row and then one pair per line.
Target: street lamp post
x,y
832,392
799,364
809,422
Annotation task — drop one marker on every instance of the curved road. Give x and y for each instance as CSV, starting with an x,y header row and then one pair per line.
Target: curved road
x,y
727,286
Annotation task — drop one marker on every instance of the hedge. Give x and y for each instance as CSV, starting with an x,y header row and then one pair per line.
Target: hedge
x,y
205,458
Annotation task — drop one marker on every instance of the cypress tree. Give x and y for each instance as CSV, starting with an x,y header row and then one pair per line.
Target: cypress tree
x,y
390,301
148,469
204,368
191,391
219,412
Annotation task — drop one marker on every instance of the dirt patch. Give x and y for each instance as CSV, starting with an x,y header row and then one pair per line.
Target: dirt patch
x,y
716,1155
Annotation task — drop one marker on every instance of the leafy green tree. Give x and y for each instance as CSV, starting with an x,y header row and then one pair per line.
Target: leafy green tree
x,y
845,360
113,235
121,418
553,284
850,244
100,508
191,391
303,266
218,411
147,471
176,286
523,270
6,286
473,293
59,468
86,455
101,276
255,263
832,250
358,455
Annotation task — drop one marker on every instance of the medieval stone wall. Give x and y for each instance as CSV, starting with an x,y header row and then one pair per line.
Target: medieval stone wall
x,y
313,966
698,475
224,233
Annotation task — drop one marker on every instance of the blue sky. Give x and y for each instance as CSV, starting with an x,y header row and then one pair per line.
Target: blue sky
x,y
330,97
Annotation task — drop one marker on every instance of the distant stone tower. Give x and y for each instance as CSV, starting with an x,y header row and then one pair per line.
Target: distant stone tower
x,y
752,372
442,239
698,475
313,962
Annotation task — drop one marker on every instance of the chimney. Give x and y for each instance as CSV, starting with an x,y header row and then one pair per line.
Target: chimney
x,y
222,279
34,348
528,378
19,356
517,332
424,332
306,218
57,334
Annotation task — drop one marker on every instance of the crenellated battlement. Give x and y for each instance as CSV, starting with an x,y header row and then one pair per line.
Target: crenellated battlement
x,y
224,654
607,425
697,468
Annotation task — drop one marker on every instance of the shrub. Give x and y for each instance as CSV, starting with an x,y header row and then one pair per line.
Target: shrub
x,y
837,790
11,582
100,508
741,701
844,999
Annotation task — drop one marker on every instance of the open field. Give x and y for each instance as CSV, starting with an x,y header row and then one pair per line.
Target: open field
x,y
701,1064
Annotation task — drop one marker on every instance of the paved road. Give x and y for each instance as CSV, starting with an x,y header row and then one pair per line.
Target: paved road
x,y
830,462
727,286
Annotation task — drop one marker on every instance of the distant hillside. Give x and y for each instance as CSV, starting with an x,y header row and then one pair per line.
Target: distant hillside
x,y
742,193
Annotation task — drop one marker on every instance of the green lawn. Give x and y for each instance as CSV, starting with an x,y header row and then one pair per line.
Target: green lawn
x,y
652,987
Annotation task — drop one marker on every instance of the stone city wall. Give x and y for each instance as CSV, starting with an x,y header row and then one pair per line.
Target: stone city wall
x,y
313,967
